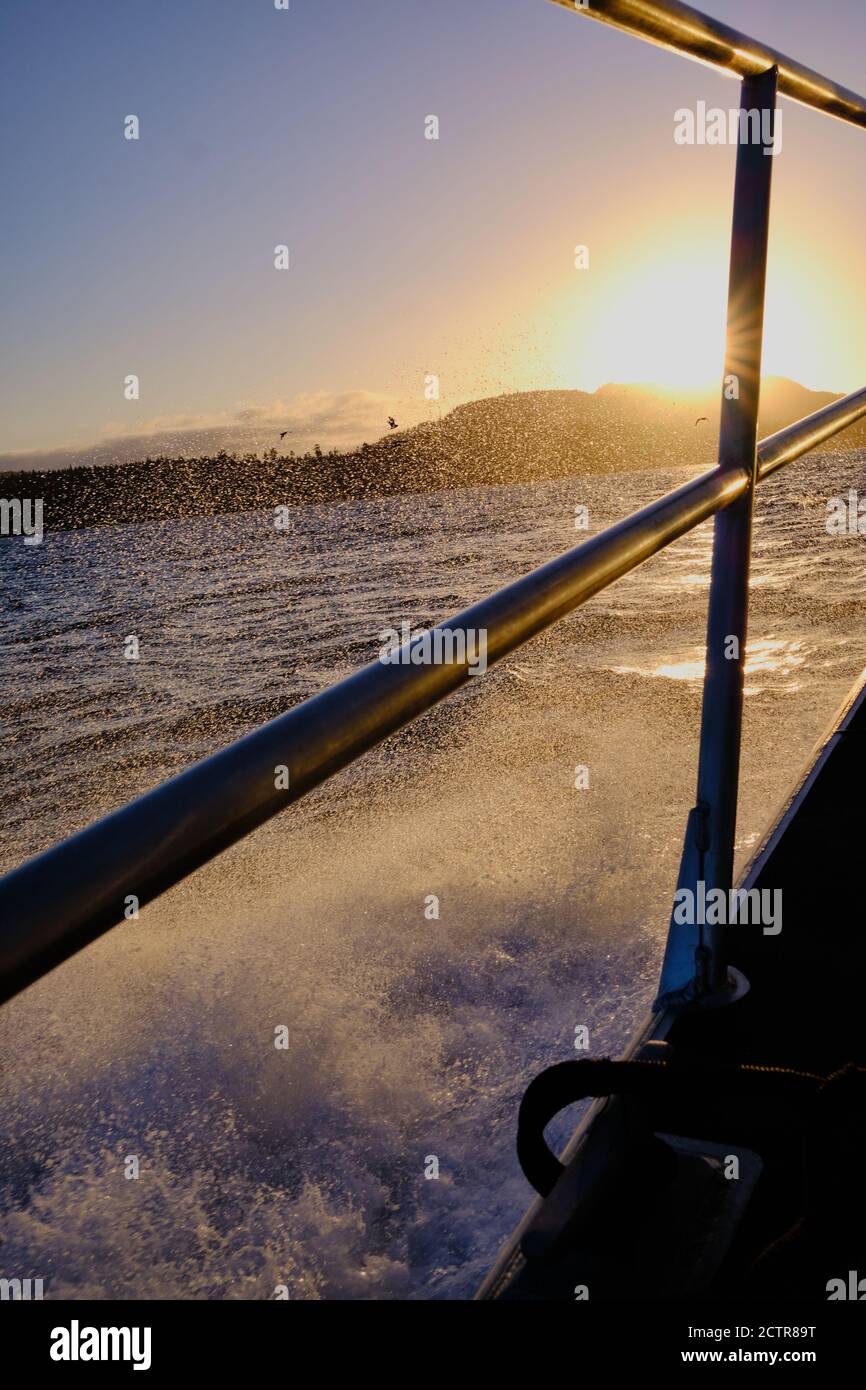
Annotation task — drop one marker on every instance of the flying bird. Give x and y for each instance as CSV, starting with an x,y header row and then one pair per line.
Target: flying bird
x,y
283,433
700,420
392,423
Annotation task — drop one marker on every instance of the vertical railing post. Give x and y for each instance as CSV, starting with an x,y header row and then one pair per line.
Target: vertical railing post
x,y
695,965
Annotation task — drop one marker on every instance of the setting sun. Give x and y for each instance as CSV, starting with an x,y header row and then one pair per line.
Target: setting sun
x,y
666,322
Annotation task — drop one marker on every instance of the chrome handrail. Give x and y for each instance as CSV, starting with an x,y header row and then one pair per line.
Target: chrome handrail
x,y
695,964
684,30
57,902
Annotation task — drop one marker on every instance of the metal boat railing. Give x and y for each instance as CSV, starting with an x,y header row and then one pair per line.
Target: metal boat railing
x,y
56,903
684,30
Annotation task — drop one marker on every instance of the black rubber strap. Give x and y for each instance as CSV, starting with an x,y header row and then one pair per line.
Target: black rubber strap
x,y
567,1082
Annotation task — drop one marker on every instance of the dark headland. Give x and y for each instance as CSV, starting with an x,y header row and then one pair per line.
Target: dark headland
x,y
504,439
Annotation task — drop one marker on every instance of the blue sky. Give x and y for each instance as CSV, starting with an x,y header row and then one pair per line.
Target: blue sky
x,y
409,256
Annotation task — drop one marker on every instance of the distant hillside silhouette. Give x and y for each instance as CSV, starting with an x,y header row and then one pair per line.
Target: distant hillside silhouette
x,y
503,439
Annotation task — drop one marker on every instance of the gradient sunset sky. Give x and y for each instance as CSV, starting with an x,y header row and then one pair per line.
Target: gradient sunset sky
x,y
409,256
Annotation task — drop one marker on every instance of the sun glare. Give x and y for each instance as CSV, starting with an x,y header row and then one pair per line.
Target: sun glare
x,y
667,324
656,316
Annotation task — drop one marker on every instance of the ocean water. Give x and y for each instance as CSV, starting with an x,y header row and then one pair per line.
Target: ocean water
x,y
409,1038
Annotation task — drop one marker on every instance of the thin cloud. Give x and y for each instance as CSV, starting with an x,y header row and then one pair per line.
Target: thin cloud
x,y
331,419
